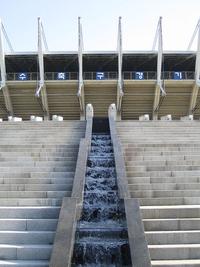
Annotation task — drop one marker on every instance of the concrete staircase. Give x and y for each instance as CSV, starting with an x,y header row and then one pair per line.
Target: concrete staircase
x,y
37,165
163,170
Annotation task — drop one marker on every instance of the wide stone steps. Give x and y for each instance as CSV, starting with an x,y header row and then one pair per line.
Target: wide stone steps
x,y
37,166
162,163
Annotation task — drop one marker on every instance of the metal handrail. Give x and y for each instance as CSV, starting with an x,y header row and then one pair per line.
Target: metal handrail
x,y
61,75
139,75
15,76
151,75
127,75
111,75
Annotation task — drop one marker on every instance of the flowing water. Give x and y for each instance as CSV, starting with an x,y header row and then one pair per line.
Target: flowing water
x,y
101,235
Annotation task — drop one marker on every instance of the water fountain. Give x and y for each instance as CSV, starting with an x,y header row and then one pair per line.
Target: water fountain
x,y
101,235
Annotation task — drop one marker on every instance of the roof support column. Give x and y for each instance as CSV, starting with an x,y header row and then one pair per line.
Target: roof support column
x,y
80,94
120,79
3,86
42,87
195,89
159,87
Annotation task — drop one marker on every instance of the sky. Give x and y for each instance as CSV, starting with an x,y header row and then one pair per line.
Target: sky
x,y
100,21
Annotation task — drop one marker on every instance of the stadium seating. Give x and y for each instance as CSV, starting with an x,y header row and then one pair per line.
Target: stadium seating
x,y
163,171
37,165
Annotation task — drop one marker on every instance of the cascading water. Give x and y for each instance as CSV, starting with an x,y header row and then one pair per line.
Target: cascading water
x,y
101,235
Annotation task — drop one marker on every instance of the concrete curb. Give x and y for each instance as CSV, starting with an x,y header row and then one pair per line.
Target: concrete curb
x,y
65,234
138,245
119,163
79,177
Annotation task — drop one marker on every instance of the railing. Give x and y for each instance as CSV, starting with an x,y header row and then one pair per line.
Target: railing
x,y
61,76
28,76
22,76
127,75
139,75
151,75
100,75
178,75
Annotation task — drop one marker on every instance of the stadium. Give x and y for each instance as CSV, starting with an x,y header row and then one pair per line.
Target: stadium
x,y
99,155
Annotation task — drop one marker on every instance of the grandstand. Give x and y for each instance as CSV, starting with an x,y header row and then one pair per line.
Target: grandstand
x,y
153,101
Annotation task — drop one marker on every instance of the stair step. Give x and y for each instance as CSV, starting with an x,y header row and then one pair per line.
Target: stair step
x,y
34,158
163,180
29,212
37,174
176,263
173,237
37,169
25,252
158,201
35,163
174,252
40,181
22,263
26,237
171,224
163,163
164,193
30,202
28,224
35,187
35,194
177,211
164,186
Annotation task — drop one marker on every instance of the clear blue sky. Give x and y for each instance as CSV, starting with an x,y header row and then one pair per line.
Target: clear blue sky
x,y
99,20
